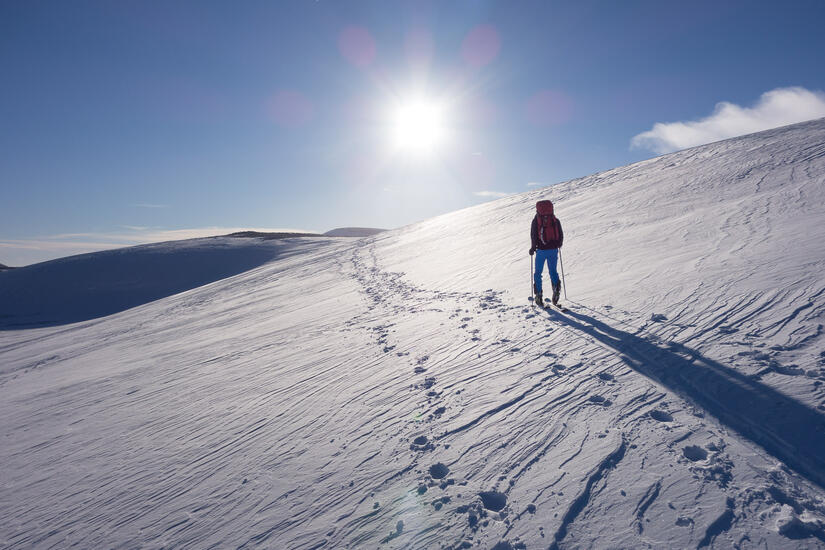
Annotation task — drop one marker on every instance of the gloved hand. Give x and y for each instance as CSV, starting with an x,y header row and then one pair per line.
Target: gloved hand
x,y
532,251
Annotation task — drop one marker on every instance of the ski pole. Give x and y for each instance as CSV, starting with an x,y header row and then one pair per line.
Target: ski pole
x,y
532,297
564,284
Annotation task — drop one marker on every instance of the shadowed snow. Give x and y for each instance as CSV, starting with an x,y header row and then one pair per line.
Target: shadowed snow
x,y
88,286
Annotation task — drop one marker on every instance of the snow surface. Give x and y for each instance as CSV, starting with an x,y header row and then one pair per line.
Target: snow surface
x,y
399,391
353,232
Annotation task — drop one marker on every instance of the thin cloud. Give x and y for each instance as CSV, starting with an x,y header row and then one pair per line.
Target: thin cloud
x,y
141,235
776,108
150,205
535,184
491,194
46,245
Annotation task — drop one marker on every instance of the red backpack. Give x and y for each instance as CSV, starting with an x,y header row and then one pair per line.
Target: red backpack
x,y
548,230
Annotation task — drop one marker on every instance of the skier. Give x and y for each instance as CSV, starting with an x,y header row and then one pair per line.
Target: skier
x,y
547,238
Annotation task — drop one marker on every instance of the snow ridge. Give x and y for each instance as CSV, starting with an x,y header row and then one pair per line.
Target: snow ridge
x,y
647,499
578,504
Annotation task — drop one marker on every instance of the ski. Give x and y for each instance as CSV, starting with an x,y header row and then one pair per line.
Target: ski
x,y
548,305
558,307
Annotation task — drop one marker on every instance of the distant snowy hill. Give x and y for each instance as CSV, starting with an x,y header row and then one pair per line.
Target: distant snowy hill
x,y
88,286
399,390
4,267
353,232
272,235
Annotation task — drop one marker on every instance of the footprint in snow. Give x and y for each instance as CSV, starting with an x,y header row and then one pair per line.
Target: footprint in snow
x,y
695,453
493,500
660,416
599,400
606,376
439,502
439,471
429,382
421,443
684,521
474,512
399,528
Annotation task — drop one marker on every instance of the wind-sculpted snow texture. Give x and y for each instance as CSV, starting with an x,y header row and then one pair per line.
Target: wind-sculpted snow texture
x,y
400,391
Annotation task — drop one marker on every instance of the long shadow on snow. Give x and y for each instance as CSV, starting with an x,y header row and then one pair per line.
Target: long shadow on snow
x,y
88,286
787,429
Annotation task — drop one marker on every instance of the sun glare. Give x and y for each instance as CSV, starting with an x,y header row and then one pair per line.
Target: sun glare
x,y
419,126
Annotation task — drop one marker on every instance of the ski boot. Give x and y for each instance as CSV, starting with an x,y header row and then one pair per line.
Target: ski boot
x,y
539,298
556,292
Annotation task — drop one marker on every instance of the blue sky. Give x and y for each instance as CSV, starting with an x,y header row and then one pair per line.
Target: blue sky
x,y
126,122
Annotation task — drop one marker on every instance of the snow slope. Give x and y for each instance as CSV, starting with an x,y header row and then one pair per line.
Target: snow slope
x,y
399,391
353,232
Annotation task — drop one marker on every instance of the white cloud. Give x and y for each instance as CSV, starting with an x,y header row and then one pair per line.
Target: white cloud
x,y
491,194
534,184
776,108
150,205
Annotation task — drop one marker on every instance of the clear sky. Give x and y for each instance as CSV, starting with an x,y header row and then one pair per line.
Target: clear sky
x,y
132,121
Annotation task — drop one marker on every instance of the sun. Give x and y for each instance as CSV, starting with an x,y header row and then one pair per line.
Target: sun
x,y
419,126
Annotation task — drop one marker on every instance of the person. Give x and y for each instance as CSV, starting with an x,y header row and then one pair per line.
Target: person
x,y
547,237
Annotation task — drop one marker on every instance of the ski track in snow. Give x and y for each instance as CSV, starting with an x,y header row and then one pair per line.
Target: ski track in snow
x,y
397,392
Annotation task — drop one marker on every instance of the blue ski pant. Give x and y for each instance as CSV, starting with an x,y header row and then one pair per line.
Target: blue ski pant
x,y
551,257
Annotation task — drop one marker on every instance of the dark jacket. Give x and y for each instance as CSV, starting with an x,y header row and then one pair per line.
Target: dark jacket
x,y
534,236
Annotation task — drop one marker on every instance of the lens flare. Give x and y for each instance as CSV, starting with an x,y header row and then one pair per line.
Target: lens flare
x,y
357,46
481,46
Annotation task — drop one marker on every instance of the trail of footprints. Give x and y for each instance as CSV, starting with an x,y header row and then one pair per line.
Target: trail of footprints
x,y
443,492
437,487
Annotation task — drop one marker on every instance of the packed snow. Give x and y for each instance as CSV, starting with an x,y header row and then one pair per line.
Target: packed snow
x,y
401,390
